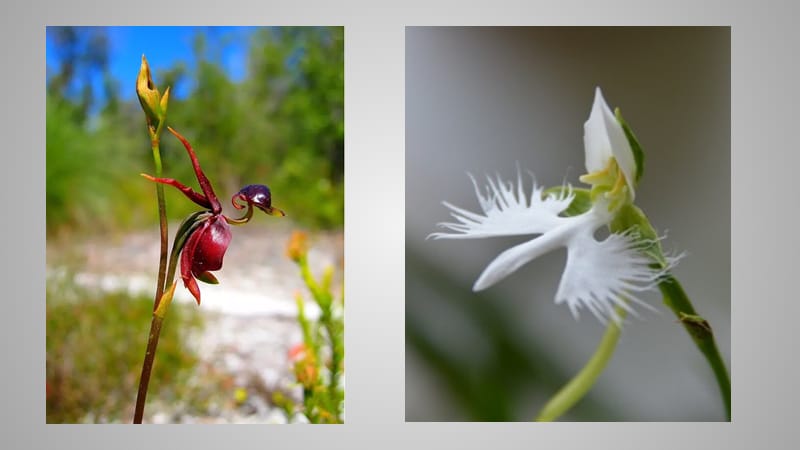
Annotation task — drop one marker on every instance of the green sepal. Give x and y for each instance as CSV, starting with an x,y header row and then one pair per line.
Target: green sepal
x,y
166,299
631,219
149,96
638,153
163,105
581,202
187,227
207,277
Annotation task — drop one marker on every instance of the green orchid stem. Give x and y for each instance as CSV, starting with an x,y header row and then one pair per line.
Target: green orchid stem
x,y
574,391
162,214
158,319
147,367
700,331
155,331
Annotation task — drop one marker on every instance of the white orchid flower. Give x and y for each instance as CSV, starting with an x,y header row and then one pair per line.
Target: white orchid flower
x,y
600,275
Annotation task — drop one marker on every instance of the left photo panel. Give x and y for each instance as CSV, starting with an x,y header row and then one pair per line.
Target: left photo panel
x,y
195,225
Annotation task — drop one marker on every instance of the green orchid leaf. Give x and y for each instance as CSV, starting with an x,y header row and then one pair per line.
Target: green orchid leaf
x,y
207,277
631,219
581,203
186,229
638,153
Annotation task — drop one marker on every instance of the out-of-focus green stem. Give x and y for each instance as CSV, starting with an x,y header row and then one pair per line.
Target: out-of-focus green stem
x,y
574,391
333,337
320,291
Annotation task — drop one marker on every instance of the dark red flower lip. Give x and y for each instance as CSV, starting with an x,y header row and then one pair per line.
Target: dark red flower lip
x,y
204,252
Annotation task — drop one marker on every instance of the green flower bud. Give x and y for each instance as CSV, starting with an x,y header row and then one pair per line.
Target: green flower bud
x,y
153,105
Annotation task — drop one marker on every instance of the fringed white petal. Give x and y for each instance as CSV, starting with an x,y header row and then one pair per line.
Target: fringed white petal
x,y
515,257
507,211
603,275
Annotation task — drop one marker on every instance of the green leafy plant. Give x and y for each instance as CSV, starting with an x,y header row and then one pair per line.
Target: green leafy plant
x,y
282,121
318,362
92,352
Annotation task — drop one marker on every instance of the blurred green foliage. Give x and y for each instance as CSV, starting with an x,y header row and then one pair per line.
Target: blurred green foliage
x,y
318,362
511,384
282,125
95,344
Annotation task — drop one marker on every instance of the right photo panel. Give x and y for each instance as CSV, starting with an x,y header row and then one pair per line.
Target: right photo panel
x,y
568,224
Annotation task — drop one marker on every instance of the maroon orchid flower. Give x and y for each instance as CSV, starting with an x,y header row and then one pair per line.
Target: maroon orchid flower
x,y
205,236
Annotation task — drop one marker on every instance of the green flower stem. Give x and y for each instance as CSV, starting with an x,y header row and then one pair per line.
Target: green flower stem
x,y
155,137
147,366
333,383
158,319
152,341
324,300
574,391
631,218
149,356
701,333
311,345
320,291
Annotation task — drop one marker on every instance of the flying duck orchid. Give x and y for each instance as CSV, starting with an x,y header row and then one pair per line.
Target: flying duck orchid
x,y
205,235
600,275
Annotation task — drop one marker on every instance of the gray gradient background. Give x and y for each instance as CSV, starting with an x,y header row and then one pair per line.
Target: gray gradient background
x,y
480,100
764,163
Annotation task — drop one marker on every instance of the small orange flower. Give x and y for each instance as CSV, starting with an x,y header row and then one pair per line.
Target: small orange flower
x,y
298,246
305,365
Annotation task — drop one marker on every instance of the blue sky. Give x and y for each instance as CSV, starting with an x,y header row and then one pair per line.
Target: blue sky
x,y
164,46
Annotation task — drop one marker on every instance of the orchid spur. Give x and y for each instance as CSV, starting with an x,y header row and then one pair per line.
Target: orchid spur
x,y
204,236
604,276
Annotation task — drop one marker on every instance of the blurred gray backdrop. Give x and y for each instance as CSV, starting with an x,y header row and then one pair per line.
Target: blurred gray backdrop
x,y
481,100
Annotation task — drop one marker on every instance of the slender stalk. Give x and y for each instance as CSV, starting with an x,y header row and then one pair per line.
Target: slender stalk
x,y
574,391
152,340
676,299
152,344
333,383
155,324
162,214
329,329
701,333
147,367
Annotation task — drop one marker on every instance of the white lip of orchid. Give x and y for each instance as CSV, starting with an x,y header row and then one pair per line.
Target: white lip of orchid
x,y
599,274
604,138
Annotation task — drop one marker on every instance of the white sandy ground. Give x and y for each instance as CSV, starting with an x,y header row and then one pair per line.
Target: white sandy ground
x,y
250,317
